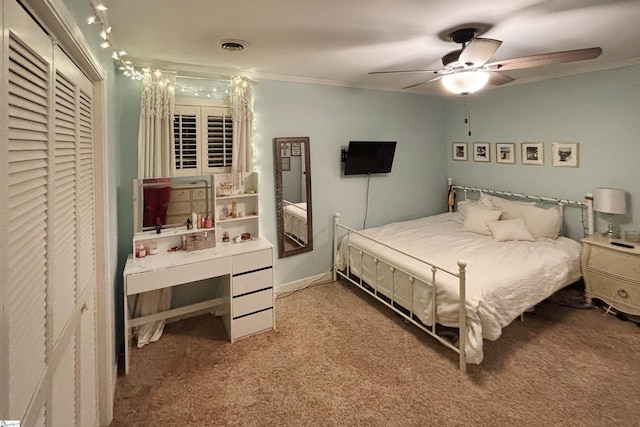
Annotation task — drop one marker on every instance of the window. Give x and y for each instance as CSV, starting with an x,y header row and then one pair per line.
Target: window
x,y
203,139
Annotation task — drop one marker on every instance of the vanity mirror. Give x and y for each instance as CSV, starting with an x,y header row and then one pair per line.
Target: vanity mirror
x,y
293,195
170,201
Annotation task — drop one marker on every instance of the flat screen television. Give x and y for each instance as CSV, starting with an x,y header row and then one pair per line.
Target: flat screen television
x,y
369,157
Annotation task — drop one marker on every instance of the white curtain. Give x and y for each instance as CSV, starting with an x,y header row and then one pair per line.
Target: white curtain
x,y
155,136
155,148
241,98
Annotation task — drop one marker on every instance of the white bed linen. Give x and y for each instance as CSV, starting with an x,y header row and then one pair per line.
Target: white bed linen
x,y
295,220
504,279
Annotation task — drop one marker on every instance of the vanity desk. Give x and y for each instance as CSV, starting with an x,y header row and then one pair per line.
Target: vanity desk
x,y
246,298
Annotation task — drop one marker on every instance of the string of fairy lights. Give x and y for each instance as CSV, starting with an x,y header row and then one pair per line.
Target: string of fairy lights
x,y
99,18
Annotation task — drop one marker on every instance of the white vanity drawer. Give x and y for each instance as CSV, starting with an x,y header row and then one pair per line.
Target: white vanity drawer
x,y
250,282
251,303
166,277
253,324
252,261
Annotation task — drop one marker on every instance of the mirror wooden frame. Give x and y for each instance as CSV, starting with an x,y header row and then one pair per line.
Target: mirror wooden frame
x,y
278,145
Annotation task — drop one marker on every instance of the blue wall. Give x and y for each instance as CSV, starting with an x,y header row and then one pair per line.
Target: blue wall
x,y
330,117
597,110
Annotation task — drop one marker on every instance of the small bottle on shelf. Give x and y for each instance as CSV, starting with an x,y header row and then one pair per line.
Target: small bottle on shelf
x,y
141,250
234,209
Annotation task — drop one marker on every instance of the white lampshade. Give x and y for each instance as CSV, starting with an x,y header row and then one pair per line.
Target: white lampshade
x,y
610,200
465,82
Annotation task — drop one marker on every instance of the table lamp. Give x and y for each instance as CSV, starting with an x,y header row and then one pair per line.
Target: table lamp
x,y
611,201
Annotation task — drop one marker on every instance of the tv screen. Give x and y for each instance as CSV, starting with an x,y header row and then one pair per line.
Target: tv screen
x,y
368,157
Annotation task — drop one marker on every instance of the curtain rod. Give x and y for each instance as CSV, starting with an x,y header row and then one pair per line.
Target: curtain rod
x,y
203,78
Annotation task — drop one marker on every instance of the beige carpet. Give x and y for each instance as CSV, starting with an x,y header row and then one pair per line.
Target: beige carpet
x,y
338,358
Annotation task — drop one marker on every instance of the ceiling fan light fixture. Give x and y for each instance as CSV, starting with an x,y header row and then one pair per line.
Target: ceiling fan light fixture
x,y
465,82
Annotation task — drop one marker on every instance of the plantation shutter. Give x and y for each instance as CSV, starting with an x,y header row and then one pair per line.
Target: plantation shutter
x,y
203,140
219,136
47,219
185,131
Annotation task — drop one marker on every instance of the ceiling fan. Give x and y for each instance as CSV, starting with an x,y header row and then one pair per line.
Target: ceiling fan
x,y
467,69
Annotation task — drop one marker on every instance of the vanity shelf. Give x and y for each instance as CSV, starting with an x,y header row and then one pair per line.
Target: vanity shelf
x,y
170,232
236,196
244,218
247,201
165,241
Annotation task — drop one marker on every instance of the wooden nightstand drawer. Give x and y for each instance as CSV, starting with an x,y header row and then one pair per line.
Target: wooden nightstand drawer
x,y
625,265
614,290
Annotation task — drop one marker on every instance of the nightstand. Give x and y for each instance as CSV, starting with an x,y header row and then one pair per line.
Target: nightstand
x,y
612,273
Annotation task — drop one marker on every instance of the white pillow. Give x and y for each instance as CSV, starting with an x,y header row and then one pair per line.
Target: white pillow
x,y
476,219
462,208
542,223
511,229
510,208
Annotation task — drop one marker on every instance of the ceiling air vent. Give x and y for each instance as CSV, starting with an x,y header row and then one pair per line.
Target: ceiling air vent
x,y
233,45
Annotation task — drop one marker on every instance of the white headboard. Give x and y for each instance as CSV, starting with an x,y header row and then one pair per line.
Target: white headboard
x,y
585,207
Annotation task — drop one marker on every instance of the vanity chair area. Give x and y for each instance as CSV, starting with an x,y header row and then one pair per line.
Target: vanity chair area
x,y
204,230
200,228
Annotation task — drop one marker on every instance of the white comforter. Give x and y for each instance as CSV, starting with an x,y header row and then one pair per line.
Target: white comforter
x,y
504,279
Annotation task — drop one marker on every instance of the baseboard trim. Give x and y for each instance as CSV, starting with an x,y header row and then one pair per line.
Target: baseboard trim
x,y
303,283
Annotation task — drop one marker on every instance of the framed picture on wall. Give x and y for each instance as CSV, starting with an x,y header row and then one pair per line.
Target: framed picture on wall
x,y
481,151
460,151
505,152
286,163
285,149
295,149
564,154
533,153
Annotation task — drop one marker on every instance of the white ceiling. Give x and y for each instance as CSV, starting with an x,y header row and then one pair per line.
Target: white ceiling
x,y
339,41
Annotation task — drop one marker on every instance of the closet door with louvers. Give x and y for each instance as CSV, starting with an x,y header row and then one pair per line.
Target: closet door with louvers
x,y
47,214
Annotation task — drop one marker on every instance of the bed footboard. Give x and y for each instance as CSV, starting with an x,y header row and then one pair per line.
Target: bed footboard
x,y
398,301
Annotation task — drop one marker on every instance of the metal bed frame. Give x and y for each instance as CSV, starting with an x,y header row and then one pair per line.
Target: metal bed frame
x,y
294,224
407,312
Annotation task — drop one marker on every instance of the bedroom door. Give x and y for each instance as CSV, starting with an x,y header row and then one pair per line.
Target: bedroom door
x,y
47,226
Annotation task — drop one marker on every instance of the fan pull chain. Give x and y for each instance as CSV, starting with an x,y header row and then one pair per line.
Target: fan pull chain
x,y
467,116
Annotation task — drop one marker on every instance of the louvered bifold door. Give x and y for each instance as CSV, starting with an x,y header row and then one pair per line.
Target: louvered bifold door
x,y
86,392
24,219
47,263
218,134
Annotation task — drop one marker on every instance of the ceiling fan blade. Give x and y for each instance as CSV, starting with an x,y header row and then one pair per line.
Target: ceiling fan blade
x,y
478,52
497,79
423,82
403,71
546,59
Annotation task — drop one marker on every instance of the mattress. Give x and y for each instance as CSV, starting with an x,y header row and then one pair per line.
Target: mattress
x,y
503,279
298,210
295,221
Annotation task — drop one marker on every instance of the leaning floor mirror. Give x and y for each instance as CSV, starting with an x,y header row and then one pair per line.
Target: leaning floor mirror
x,y
293,195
